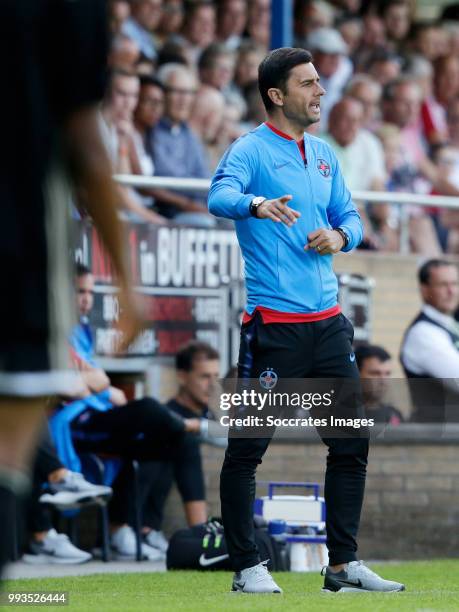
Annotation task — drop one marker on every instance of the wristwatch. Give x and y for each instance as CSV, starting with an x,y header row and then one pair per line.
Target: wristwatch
x,y
255,204
343,235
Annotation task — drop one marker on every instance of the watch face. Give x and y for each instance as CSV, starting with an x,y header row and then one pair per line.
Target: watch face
x,y
258,200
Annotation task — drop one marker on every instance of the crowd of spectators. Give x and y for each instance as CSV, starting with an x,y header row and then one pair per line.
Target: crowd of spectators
x,y
184,86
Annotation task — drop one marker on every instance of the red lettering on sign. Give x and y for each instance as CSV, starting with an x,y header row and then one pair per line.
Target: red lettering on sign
x,y
101,265
170,341
159,308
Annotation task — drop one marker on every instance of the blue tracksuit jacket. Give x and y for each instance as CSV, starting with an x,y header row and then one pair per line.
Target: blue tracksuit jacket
x,y
279,273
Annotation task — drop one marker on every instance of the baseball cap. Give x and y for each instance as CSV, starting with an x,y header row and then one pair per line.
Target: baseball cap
x,y
327,40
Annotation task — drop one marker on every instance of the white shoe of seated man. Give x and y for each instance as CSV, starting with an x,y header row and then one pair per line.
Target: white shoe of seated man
x,y
156,539
55,548
123,542
73,491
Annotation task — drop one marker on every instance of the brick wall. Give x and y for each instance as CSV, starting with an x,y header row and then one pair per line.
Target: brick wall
x,y
411,507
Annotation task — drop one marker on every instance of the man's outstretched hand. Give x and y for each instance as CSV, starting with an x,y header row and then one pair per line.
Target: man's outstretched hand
x,y
278,211
324,241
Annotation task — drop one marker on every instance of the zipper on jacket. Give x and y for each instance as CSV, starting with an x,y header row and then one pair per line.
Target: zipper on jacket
x,y
316,256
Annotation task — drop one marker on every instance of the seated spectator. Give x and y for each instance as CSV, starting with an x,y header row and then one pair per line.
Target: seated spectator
x,y
446,159
171,21
373,41
375,368
259,23
105,422
452,118
176,150
216,67
351,29
368,92
117,128
429,352
199,29
427,39
197,367
148,112
124,53
359,152
145,18
256,112
333,65
310,16
67,490
231,22
384,66
402,107
434,107
248,59
207,122
119,11
396,16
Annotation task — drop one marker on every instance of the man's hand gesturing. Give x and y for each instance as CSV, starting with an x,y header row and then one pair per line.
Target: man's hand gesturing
x,y
278,211
325,241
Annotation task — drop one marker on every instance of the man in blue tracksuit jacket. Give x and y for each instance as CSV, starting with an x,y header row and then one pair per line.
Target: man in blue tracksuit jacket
x,y
292,211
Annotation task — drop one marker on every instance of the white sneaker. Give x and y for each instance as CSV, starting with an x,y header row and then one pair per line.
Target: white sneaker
x,y
73,491
255,579
358,578
56,548
123,543
157,540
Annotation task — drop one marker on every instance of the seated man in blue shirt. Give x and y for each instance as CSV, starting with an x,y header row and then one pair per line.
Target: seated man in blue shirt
x,y
141,429
176,150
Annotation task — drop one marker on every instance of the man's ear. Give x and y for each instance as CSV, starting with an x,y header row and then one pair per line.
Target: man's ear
x,y
276,96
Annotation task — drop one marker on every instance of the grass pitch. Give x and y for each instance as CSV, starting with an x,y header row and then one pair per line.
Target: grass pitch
x,y
431,585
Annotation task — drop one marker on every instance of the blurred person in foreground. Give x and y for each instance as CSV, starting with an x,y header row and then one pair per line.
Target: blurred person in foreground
x,y
176,150
375,367
290,329
53,132
430,347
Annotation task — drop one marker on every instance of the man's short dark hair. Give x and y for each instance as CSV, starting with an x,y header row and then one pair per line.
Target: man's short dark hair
x,y
367,351
193,351
274,70
424,270
82,270
150,81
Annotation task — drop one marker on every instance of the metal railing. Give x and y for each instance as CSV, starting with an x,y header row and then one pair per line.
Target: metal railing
x,y
375,197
